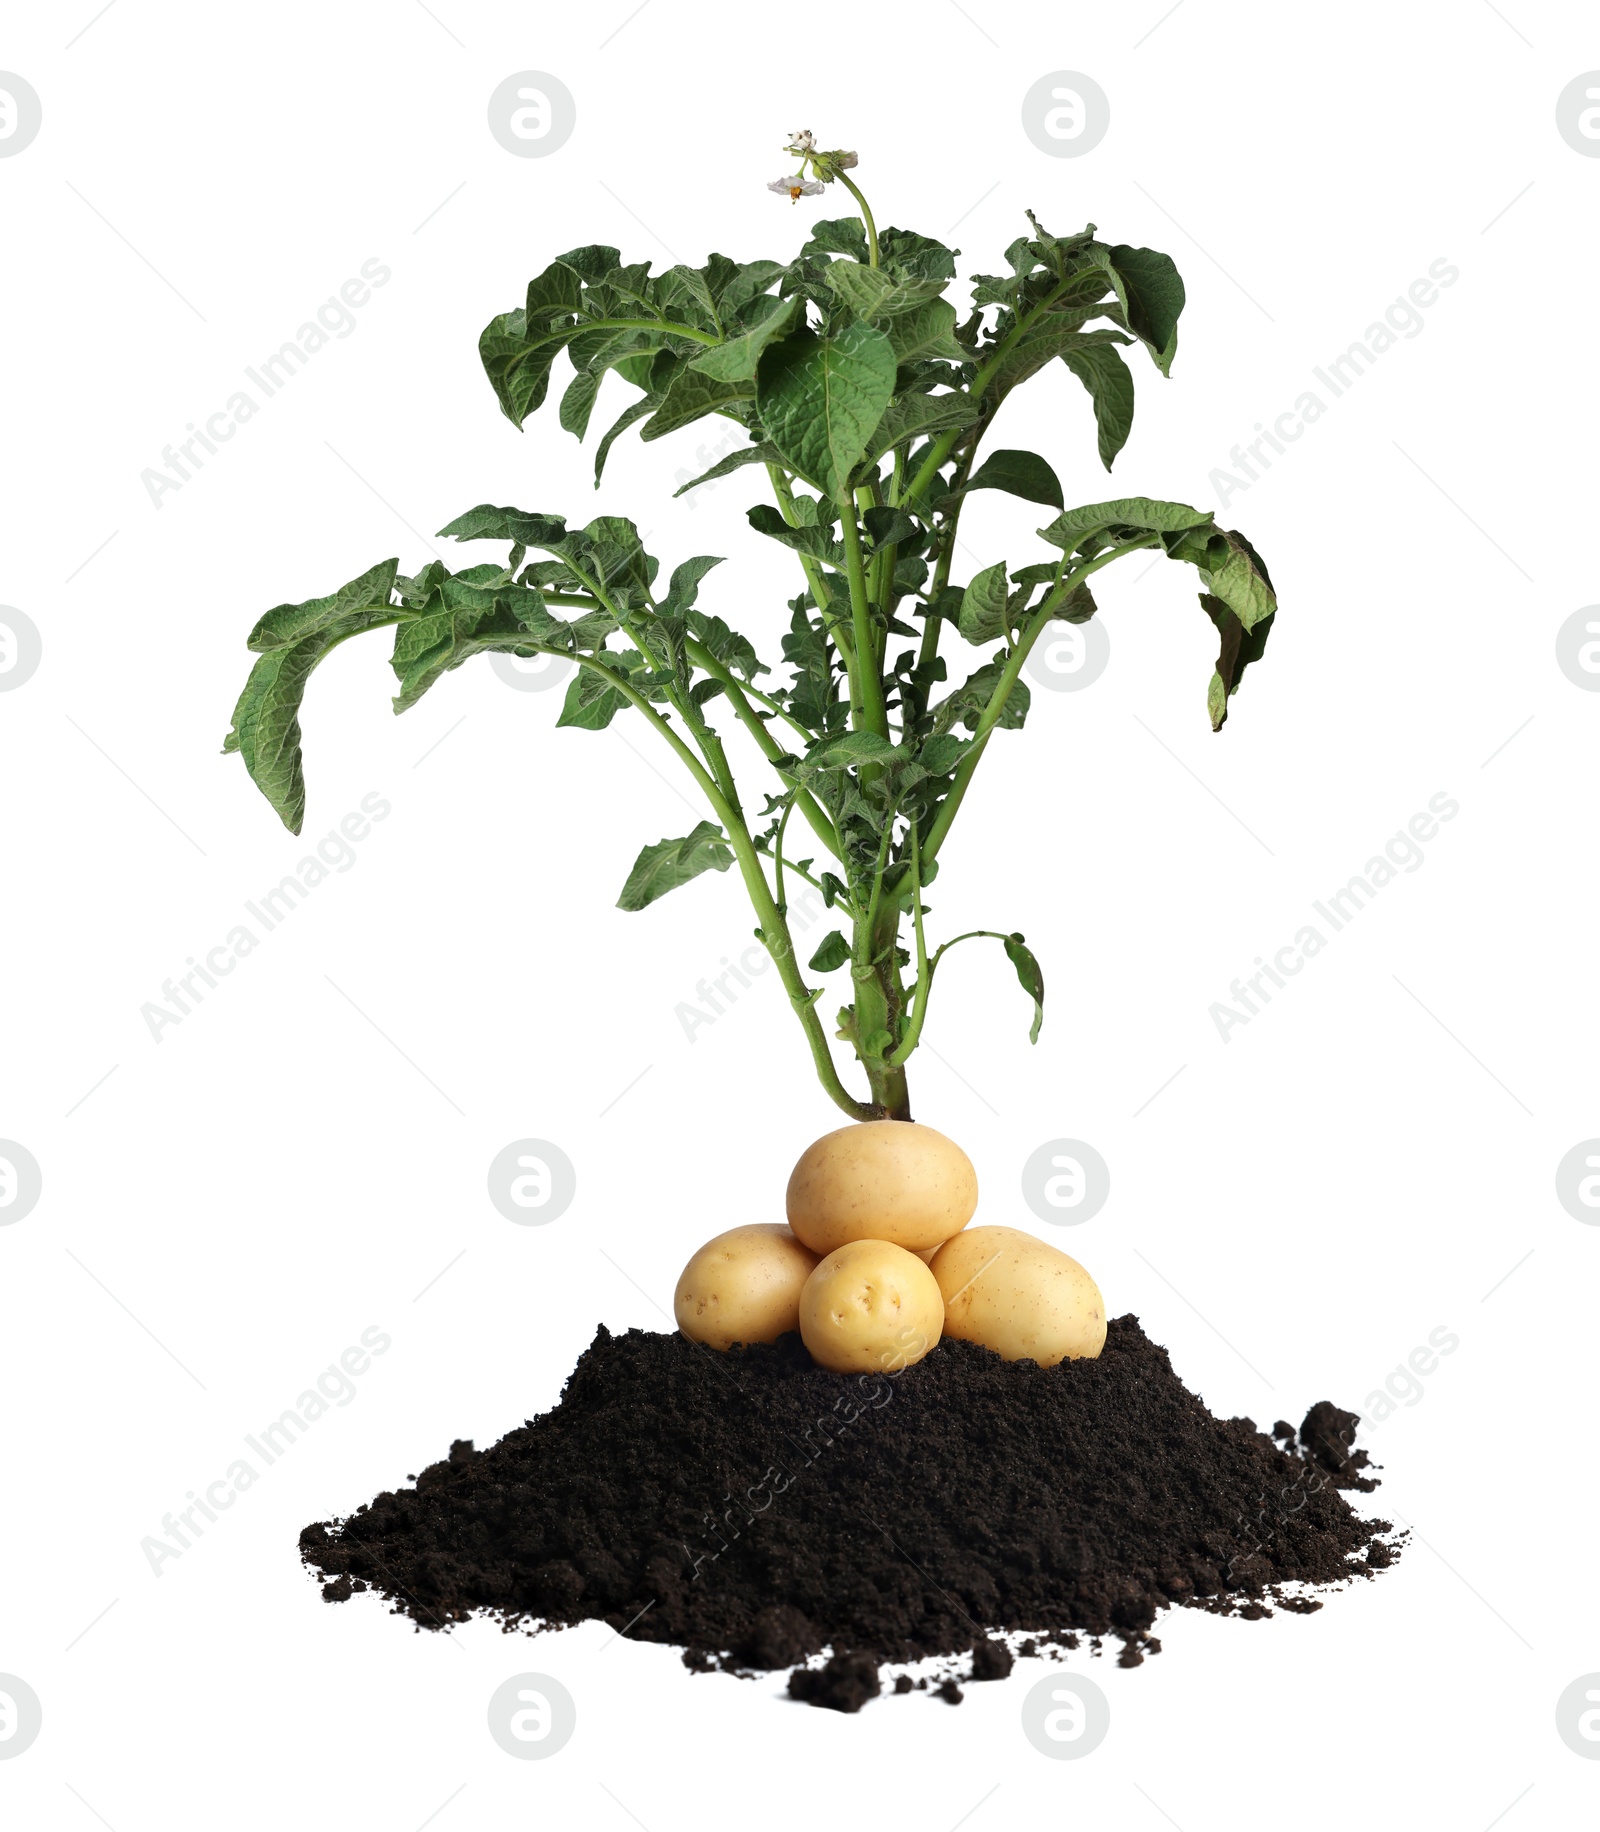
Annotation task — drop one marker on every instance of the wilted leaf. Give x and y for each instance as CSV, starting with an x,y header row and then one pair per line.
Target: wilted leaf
x,y
1032,978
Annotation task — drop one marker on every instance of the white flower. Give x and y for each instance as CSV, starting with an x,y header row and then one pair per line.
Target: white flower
x,y
796,187
803,142
841,162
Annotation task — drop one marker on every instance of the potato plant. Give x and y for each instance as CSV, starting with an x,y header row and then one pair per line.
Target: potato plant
x,y
867,400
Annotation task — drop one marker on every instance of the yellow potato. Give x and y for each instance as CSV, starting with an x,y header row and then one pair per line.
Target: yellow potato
x,y
1014,1294
744,1286
882,1180
870,1307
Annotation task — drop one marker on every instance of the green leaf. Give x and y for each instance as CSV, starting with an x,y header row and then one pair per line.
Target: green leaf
x,y
915,415
630,416
909,256
1039,347
870,292
1152,295
738,359
887,527
592,702
926,331
832,954
851,748
1023,474
859,287
691,396
487,523
1099,366
820,400
1133,514
428,647
519,375
291,623
939,756
578,402
1032,978
671,863
967,704
808,537
747,285
746,454
838,235
686,583
290,640
982,617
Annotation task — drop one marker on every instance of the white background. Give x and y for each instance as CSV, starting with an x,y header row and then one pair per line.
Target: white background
x,y
1367,1160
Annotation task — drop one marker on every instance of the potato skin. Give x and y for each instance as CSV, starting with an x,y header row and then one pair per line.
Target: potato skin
x,y
743,1286
1019,1296
870,1307
887,1180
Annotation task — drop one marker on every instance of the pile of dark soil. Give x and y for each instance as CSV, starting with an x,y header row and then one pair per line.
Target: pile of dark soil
x,y
755,1509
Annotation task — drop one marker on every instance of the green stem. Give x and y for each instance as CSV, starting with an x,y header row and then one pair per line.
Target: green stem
x,y
774,929
873,716
816,815
945,444
924,972
777,854
866,218
1008,680
821,596
925,969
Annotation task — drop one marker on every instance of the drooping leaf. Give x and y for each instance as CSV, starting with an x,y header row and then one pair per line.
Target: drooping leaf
x,y
630,416
1023,474
1243,616
473,624
1133,514
290,640
671,863
1032,978
831,955
1152,295
820,400
1234,572
578,402
761,453
1099,366
805,537
291,623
